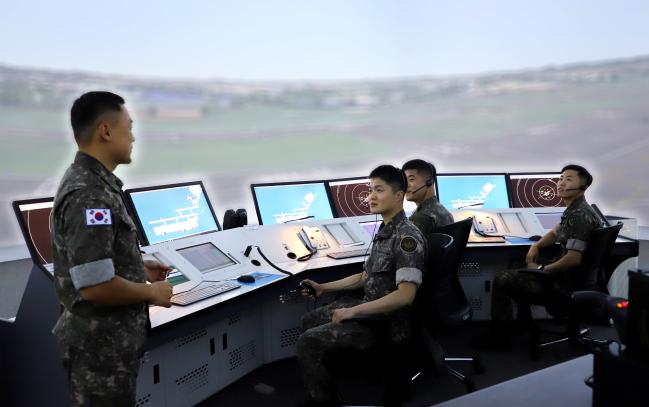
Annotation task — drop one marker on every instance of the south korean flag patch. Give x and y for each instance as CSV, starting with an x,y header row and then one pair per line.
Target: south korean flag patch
x,y
98,217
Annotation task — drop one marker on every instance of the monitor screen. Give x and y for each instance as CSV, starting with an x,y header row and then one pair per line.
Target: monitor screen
x,y
169,212
472,191
280,203
206,257
534,190
351,197
34,219
549,220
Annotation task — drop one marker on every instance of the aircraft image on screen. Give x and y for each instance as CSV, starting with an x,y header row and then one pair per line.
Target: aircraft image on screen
x,y
474,201
297,213
473,191
280,203
186,219
173,213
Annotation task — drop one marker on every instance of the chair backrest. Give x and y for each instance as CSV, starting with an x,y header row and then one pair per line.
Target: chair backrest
x,y
451,305
593,268
438,246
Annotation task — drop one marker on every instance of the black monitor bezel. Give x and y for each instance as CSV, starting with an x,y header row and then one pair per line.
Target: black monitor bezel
x,y
509,187
333,204
272,184
442,174
25,231
136,218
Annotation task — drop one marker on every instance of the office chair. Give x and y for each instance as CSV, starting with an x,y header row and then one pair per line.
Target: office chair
x,y
404,362
591,274
453,310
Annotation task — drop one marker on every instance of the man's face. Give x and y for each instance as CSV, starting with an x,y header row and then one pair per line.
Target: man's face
x,y
416,180
120,126
382,198
568,185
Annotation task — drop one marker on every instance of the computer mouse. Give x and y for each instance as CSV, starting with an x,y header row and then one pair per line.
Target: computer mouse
x,y
246,278
535,238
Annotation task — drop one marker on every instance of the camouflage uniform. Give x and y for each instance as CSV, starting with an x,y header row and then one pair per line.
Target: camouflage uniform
x,y
577,223
430,215
101,344
397,256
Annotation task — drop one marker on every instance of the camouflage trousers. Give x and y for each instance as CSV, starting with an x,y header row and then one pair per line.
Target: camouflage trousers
x,y
509,286
320,336
101,379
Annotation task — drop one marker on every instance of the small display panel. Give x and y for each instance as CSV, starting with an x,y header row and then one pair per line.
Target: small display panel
x,y
549,220
34,217
206,257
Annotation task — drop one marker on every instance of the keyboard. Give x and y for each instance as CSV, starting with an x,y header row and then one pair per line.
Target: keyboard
x,y
192,296
347,254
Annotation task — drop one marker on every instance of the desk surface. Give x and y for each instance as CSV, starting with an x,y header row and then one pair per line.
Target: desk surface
x,y
561,384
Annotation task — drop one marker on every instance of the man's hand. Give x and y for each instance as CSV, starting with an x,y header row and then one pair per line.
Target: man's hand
x,y
161,292
155,271
532,255
342,314
317,287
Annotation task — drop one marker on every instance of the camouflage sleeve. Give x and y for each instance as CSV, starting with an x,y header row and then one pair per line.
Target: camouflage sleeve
x,y
409,259
88,235
578,229
423,222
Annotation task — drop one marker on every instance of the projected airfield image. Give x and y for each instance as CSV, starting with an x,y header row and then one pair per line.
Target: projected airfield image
x,y
231,134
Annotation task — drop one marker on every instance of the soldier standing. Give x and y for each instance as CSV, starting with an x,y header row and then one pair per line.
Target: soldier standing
x,y
430,214
572,233
99,272
390,279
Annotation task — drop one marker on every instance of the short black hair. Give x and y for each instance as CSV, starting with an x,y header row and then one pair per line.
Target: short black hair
x,y
87,109
392,176
584,176
423,167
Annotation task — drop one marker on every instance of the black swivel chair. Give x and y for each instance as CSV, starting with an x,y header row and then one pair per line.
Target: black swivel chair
x,y
404,362
453,310
590,275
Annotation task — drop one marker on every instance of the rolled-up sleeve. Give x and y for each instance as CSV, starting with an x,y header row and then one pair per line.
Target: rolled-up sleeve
x,y
409,260
579,227
89,243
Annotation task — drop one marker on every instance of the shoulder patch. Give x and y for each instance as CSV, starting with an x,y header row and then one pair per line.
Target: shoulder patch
x,y
98,217
408,244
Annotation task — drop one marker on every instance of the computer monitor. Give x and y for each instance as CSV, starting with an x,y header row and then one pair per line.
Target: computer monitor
x,y
350,197
472,191
285,202
34,217
534,190
174,211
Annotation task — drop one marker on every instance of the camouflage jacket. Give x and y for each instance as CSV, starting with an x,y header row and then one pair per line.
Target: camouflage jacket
x,y
578,221
430,215
94,239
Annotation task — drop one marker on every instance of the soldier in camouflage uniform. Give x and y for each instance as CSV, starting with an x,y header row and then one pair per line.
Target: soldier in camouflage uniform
x,y
430,214
578,221
98,269
390,279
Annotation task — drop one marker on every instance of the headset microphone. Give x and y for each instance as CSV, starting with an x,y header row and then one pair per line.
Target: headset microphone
x,y
423,186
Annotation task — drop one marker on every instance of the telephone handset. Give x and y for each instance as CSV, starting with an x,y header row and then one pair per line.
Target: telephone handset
x,y
313,238
484,224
